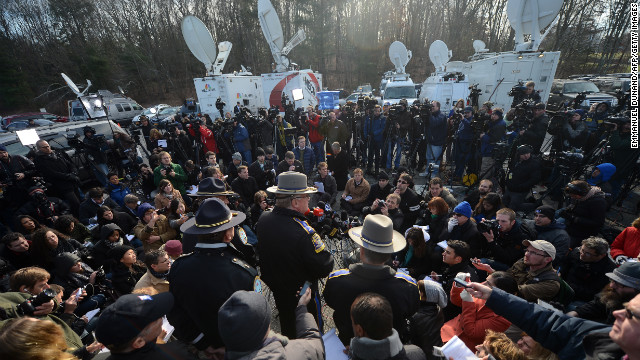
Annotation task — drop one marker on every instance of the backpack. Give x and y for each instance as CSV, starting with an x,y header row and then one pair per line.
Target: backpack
x,y
566,294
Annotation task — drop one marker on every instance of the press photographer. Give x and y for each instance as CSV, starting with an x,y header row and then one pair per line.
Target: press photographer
x,y
262,170
374,125
16,177
436,130
526,92
396,130
97,151
59,171
496,129
535,133
180,145
504,236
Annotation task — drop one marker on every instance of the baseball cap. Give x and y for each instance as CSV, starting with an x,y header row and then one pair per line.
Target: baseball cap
x,y
129,315
542,245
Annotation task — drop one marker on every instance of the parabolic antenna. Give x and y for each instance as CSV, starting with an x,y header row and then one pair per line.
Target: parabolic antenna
x,y
519,11
439,54
71,84
479,46
199,40
399,56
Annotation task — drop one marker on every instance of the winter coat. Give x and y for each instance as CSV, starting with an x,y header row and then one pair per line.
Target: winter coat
x,y
245,188
306,157
495,132
627,243
507,246
357,192
391,348
425,327
468,233
330,189
375,192
446,196
161,201
554,233
475,320
57,169
374,128
437,130
100,250
89,209
308,343
241,138
624,156
117,192
586,279
337,131
124,279
524,175
449,273
148,280
314,129
283,166
177,181
541,284
339,166
161,228
465,131
534,135
588,215
124,221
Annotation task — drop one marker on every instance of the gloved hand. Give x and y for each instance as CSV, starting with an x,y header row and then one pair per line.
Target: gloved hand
x,y
621,259
465,296
452,222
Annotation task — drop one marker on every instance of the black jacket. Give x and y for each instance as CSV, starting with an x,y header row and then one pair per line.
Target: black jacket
x,y
200,283
587,216
425,327
449,273
375,192
339,166
507,246
58,170
89,209
410,206
261,174
344,285
284,166
123,279
245,188
468,233
524,175
534,135
44,212
586,279
101,248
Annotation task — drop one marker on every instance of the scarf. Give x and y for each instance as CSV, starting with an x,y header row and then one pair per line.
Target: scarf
x,y
162,276
111,245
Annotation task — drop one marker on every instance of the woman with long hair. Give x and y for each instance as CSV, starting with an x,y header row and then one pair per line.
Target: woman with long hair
x,y
416,259
27,338
27,225
166,193
487,207
73,228
49,243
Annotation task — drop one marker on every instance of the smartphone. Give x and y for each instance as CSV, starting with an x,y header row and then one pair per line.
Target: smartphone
x,y
461,283
78,293
304,288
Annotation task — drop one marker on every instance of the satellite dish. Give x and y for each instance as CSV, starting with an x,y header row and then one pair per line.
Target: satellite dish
x,y
399,56
72,85
439,54
199,40
479,46
121,90
272,30
529,17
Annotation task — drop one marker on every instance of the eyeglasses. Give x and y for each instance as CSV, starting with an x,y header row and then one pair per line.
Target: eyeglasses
x,y
402,182
535,253
457,215
586,253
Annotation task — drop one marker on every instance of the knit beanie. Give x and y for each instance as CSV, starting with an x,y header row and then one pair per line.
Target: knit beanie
x,y
463,209
118,252
434,293
243,321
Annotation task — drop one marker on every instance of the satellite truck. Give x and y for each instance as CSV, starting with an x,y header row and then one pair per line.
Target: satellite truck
x,y
251,91
397,84
495,74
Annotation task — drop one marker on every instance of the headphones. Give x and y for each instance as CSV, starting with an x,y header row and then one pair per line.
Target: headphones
x,y
574,189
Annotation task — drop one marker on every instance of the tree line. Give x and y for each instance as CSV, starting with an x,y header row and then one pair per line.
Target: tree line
x,y
138,44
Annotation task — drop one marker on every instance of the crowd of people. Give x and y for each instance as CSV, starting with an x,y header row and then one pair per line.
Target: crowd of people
x,y
211,222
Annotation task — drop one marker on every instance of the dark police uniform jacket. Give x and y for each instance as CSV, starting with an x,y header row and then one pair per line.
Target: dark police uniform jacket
x,y
201,282
344,285
290,252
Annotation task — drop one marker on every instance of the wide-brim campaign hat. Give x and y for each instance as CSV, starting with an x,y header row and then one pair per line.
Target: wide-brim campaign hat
x,y
292,183
212,187
213,216
377,234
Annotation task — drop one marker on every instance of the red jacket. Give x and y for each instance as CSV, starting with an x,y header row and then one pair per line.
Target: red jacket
x,y
314,130
627,243
207,139
471,325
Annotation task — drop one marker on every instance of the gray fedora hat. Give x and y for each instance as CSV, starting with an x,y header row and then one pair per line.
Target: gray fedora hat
x,y
292,183
212,187
377,234
628,274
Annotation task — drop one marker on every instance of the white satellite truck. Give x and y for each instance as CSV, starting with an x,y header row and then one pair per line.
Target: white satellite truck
x,y
397,84
301,86
497,73
241,87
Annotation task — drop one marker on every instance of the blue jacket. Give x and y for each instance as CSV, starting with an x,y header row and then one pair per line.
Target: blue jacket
x,y
437,130
306,157
465,132
606,172
495,133
377,129
554,330
241,138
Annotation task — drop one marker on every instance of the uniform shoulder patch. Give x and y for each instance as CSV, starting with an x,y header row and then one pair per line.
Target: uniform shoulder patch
x,y
242,235
406,277
305,225
318,244
257,285
338,273
248,268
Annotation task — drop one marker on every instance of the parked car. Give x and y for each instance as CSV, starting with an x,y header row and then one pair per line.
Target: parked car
x,y
564,91
25,117
21,125
612,85
150,111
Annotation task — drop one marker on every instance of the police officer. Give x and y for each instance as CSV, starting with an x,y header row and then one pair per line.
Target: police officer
x,y
216,188
291,252
377,241
203,280
96,147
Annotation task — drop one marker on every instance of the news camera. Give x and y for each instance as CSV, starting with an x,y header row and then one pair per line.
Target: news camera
x,y
486,226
